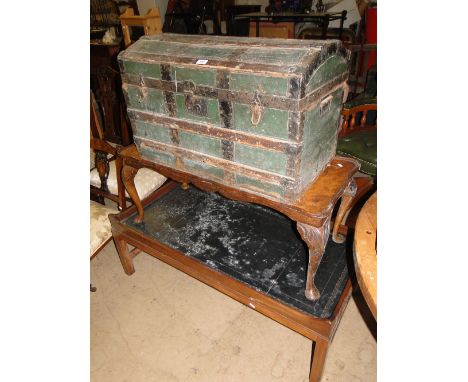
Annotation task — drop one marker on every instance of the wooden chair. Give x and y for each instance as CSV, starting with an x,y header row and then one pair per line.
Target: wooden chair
x,y
357,138
104,158
151,23
106,172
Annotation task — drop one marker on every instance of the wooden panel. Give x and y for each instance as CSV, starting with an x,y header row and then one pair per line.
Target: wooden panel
x,y
268,29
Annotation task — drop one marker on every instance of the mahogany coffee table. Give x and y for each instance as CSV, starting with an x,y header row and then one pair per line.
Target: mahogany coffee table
x,y
247,251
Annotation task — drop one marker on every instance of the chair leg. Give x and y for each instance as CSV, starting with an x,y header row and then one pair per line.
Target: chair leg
x,y
357,188
319,356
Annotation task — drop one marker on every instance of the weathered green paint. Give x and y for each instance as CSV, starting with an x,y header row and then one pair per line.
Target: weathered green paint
x,y
212,110
268,160
319,141
263,84
326,72
203,168
292,141
274,122
259,185
286,57
201,143
202,76
152,131
152,101
158,157
142,69
185,50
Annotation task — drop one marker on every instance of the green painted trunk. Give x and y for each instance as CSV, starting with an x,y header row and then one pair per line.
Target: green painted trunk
x,y
257,114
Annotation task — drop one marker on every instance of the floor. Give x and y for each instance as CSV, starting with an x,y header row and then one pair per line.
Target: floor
x,y
162,325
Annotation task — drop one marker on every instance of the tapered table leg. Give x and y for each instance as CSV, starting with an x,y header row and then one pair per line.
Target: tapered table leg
x,y
316,239
125,257
318,360
128,179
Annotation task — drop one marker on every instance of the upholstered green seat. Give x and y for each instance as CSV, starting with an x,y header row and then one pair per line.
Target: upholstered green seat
x,y
361,145
360,101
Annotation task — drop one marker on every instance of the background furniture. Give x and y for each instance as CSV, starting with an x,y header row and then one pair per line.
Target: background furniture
x,y
239,27
357,138
365,252
358,133
175,232
105,176
104,14
188,17
150,23
322,19
100,229
272,30
104,183
346,35
107,87
362,75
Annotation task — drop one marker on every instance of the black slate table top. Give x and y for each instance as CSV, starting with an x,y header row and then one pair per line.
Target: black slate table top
x,y
250,243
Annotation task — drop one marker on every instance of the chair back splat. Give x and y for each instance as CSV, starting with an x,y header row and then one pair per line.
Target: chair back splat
x,y
356,116
104,155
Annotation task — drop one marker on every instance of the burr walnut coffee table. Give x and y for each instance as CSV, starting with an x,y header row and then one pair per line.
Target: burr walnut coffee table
x,y
311,211
247,251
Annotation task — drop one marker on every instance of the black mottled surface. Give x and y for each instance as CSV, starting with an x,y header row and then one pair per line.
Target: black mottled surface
x,y
251,243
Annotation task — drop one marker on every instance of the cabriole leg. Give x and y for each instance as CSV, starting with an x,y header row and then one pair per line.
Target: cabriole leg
x,y
316,239
345,206
361,186
128,179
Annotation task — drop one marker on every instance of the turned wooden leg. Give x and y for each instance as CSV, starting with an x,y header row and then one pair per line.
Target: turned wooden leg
x,y
357,188
316,239
184,186
128,178
346,199
102,166
318,360
125,257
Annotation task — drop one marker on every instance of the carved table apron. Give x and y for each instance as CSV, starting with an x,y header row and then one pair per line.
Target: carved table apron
x,y
311,211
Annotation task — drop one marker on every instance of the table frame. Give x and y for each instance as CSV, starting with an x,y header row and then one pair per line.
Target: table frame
x,y
320,331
